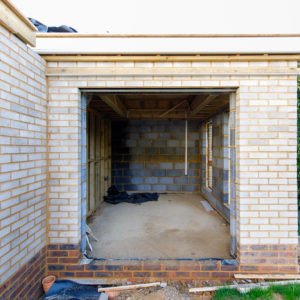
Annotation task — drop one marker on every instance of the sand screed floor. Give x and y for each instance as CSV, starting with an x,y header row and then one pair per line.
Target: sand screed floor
x,y
176,226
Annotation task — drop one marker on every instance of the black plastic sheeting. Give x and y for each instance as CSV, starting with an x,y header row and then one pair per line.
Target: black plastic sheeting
x,y
70,290
44,28
116,197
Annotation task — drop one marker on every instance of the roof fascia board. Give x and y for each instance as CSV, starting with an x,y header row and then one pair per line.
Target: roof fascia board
x,y
168,58
16,23
166,45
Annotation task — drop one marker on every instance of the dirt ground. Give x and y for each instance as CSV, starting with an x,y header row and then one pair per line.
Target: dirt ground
x,y
174,291
175,226
179,290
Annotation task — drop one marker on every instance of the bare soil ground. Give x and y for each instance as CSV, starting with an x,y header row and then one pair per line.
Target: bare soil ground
x,y
178,290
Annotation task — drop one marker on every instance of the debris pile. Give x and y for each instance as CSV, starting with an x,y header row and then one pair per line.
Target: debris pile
x,y
116,197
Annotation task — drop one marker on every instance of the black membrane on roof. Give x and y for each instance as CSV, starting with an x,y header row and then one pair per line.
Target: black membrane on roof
x,y
44,28
116,197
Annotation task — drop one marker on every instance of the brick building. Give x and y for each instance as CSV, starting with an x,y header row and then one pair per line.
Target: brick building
x,y
236,94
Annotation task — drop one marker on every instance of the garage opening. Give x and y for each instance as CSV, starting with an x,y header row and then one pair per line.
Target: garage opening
x,y
174,142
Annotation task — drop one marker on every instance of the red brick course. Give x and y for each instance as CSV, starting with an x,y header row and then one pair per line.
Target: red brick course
x,y
256,259
63,262
26,283
268,258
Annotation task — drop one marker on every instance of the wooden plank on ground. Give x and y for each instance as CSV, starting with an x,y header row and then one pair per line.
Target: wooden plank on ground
x,y
129,287
267,276
243,288
211,288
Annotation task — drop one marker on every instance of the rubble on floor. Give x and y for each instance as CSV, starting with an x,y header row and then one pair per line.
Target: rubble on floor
x,y
115,197
173,290
170,290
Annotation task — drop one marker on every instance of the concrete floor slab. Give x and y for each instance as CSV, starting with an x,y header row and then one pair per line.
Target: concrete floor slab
x,y
175,226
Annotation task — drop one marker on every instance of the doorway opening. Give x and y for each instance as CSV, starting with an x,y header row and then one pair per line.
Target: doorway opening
x,y
174,142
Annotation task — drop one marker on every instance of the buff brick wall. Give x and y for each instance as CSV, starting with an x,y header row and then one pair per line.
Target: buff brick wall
x,y
266,189
23,161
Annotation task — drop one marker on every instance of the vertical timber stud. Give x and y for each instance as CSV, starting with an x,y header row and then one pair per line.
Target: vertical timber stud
x,y
97,161
209,157
91,161
232,174
186,148
83,168
102,176
109,153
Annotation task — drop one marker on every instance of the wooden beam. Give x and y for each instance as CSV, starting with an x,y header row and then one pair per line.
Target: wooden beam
x,y
170,58
14,21
189,100
211,288
172,108
267,276
99,35
129,287
198,104
16,11
140,71
159,110
116,104
243,288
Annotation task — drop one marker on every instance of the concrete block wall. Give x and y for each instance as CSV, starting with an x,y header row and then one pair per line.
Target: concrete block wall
x,y
221,157
150,156
23,158
219,194
266,131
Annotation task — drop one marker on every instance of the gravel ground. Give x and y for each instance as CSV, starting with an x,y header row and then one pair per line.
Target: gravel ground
x,y
174,291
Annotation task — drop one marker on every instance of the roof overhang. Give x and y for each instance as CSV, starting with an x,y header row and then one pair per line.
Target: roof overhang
x,y
16,23
49,44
